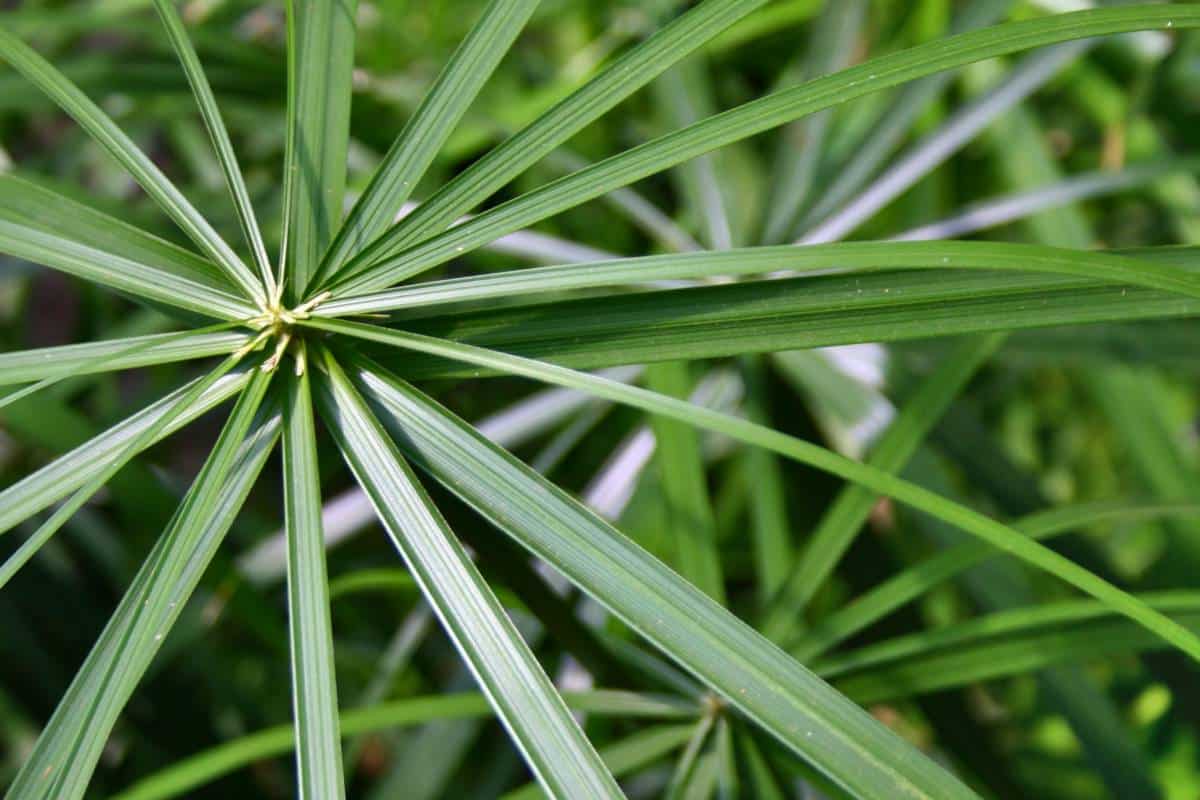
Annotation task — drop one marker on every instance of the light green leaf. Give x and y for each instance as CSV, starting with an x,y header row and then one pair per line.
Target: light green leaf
x,y
755,117
998,645
770,688
777,16
429,127
972,522
1013,623
688,513
525,700
685,96
70,471
766,316
36,204
903,112
314,685
115,354
616,82
100,126
320,64
640,211
42,226
728,783
102,476
798,155
202,768
527,283
759,777
1048,196
849,257
842,520
627,755
372,580
116,272
685,766
219,135
1138,407
767,495
66,753
914,581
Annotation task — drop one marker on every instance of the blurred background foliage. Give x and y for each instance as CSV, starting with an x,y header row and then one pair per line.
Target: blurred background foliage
x,y
1058,416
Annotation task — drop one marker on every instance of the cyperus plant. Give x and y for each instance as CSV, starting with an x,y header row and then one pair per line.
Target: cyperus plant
x,y
328,330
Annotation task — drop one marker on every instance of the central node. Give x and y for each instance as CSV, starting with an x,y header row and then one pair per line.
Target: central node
x,y
277,322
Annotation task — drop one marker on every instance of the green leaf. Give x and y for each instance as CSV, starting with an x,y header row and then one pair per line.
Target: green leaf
x,y
66,753
525,700
685,96
932,150
842,520
320,65
767,316
1013,623
1001,210
970,521
703,781
654,222
70,471
770,688
627,755
372,580
767,498
42,226
777,16
512,426
527,283
997,645
914,581
314,685
902,114
688,512
1139,408
617,81
752,118
25,391
762,782
116,272
102,476
686,766
98,124
728,784
191,773
429,127
33,203
219,135
802,144
115,354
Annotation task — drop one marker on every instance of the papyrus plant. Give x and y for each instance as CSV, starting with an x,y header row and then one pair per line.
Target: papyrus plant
x,y
334,330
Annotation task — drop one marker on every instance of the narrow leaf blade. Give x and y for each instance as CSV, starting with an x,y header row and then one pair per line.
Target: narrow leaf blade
x,y
766,685
619,80
554,746
71,470
752,118
430,126
66,753
219,135
101,127
320,62
908,493
314,684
